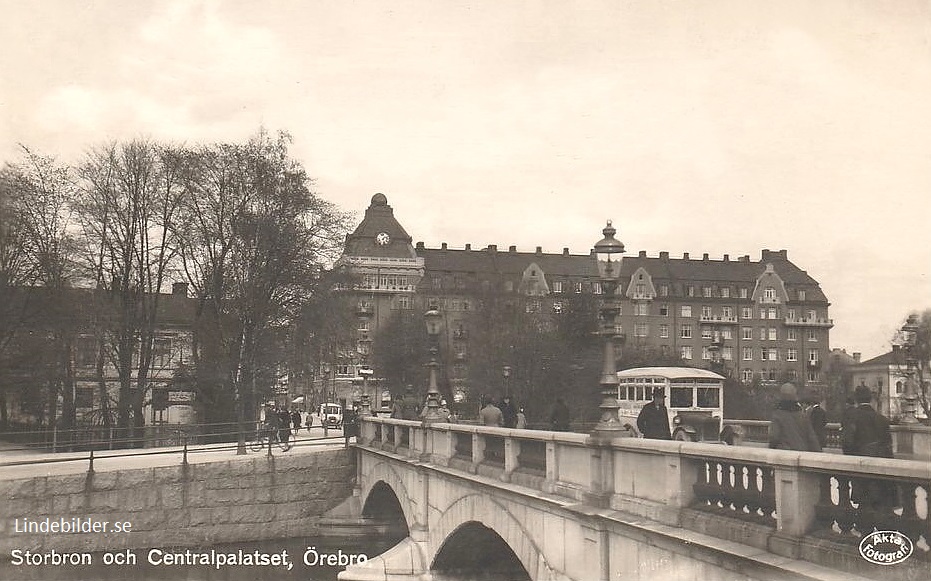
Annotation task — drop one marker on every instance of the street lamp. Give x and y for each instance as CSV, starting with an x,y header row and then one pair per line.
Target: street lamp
x,y
433,320
367,410
609,425
910,337
506,372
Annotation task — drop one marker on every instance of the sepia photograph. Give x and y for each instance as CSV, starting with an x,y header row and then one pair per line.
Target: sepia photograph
x,y
360,290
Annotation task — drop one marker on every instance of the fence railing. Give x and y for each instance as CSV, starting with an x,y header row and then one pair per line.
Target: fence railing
x,y
795,496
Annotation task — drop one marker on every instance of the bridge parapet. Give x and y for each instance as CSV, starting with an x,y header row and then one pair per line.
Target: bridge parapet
x,y
802,505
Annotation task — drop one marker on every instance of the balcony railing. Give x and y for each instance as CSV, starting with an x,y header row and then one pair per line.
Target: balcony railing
x,y
724,320
810,322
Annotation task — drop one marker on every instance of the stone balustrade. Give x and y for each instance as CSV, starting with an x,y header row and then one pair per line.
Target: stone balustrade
x,y
801,505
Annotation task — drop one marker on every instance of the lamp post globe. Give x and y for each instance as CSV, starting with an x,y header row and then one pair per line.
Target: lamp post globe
x,y
609,424
433,320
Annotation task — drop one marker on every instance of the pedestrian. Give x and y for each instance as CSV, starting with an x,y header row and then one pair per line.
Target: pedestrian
x,y
559,416
521,423
865,432
284,425
409,406
444,411
350,423
789,428
296,422
491,415
653,419
397,407
508,412
817,417
309,420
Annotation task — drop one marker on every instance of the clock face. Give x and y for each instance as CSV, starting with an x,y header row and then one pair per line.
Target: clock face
x,y
382,238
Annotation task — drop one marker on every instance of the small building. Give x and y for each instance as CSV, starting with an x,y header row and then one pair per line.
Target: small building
x,y
886,376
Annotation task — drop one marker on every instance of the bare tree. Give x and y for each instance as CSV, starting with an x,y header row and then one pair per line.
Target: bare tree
x,y
36,252
130,196
252,244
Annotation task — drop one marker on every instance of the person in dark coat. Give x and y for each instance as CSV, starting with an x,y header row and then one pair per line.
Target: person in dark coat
x,y
410,407
559,417
789,428
296,421
865,432
491,415
509,412
350,423
653,419
817,417
284,425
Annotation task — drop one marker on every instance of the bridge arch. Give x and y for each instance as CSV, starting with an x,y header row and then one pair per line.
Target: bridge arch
x,y
384,476
476,551
479,510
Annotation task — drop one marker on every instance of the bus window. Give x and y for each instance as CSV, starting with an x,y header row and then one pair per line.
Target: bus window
x,y
680,397
709,397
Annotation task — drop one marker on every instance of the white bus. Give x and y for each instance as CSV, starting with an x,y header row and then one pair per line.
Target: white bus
x,y
694,400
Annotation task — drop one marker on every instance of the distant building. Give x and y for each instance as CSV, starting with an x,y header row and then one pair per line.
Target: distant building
x,y
74,319
886,375
763,320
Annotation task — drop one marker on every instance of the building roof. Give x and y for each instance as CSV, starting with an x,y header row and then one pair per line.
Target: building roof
x,y
669,373
894,357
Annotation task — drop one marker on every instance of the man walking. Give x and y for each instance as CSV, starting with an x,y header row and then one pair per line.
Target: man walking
x,y
653,420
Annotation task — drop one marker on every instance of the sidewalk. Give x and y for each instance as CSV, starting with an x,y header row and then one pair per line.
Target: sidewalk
x,y
19,463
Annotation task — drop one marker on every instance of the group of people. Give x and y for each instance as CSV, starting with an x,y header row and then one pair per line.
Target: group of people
x,y
503,414
286,422
408,407
794,426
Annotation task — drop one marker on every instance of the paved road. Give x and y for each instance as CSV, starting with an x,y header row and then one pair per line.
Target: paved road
x,y
19,463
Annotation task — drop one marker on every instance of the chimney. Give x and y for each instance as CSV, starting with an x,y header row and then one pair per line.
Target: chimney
x,y
856,356
744,258
468,247
443,246
727,258
565,252
685,256
512,249
704,257
179,289
539,250
420,246
642,254
492,247
664,255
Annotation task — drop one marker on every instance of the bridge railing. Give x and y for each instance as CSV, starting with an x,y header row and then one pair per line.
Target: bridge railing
x,y
780,501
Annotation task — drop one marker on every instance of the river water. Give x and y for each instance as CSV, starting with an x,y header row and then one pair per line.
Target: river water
x,y
303,554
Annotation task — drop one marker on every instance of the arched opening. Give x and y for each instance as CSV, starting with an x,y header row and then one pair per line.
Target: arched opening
x,y
383,509
476,552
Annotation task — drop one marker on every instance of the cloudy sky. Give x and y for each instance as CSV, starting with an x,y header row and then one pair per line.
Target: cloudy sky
x,y
723,127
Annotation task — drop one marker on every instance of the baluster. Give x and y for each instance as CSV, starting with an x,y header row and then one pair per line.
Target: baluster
x,y
825,510
768,493
846,514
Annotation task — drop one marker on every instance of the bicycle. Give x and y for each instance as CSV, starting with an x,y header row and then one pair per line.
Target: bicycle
x,y
261,440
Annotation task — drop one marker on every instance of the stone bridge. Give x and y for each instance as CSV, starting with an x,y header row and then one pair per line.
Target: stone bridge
x,y
525,504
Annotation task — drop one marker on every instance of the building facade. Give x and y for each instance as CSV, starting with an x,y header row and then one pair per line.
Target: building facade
x,y
761,320
887,376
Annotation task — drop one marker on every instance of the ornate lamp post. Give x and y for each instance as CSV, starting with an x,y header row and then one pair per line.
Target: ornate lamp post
x,y
910,337
506,373
433,319
609,425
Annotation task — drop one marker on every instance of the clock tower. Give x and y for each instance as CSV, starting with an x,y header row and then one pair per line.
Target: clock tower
x,y
380,253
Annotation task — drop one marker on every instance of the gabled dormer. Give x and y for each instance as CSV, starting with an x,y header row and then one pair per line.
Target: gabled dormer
x,y
770,289
533,281
641,286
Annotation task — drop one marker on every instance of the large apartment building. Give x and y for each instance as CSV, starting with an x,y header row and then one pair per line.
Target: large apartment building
x,y
763,319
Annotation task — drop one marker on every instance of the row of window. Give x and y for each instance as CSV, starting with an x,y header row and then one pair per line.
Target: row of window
x,y
724,334
747,354
640,289
747,375
166,351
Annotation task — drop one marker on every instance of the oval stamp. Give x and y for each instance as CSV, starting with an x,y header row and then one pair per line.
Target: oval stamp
x,y
886,547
